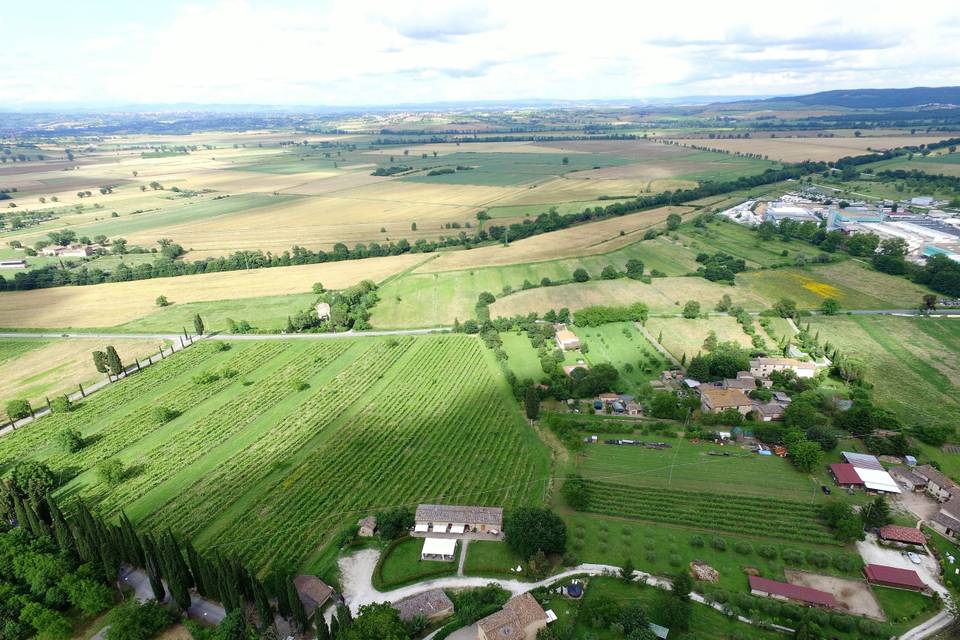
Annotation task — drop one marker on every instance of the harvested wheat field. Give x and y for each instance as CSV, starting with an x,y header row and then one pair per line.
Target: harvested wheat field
x,y
110,304
445,148
587,239
822,149
56,368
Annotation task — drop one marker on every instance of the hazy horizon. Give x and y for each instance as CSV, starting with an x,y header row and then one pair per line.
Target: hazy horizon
x,y
341,54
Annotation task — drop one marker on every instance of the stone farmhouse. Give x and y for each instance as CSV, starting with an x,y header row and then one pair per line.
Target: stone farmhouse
x,y
440,520
433,605
520,619
763,367
566,340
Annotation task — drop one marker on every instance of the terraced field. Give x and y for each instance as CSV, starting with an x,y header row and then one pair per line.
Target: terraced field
x,y
220,443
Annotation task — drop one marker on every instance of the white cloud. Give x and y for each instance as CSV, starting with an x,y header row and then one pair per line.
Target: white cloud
x,y
347,52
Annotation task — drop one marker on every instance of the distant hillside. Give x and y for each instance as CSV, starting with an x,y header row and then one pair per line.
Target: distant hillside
x,y
860,99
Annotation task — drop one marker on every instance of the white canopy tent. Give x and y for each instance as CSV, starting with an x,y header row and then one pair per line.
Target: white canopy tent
x,y
438,549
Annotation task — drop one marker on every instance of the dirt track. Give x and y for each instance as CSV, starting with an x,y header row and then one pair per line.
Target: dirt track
x,y
855,595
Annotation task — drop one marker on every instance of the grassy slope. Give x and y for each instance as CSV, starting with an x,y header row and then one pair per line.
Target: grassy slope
x,y
620,344
914,363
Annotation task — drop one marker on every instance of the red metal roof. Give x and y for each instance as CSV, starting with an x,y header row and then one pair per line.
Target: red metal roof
x,y
893,576
793,592
902,534
845,474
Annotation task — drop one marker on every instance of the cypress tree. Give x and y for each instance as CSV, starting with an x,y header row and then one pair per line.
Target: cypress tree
x,y
84,533
262,602
113,361
334,628
61,530
175,572
344,616
323,631
299,614
283,602
197,569
107,549
20,512
133,550
153,568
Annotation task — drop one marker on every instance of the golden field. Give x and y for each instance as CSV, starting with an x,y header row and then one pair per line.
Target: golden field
x,y
111,304
817,149
596,237
56,368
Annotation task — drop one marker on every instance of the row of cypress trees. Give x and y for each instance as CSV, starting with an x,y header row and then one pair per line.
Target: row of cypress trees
x,y
171,564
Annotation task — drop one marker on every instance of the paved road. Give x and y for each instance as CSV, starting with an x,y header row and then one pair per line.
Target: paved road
x,y
200,608
225,336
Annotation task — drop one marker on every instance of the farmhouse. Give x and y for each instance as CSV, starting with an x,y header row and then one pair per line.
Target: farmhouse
x,y
323,311
715,399
769,411
938,485
313,592
566,340
520,619
457,520
893,577
368,526
763,367
909,479
786,591
13,264
903,535
433,605
70,251
442,549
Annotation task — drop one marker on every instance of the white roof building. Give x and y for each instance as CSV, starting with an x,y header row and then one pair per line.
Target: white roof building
x,y
877,480
438,549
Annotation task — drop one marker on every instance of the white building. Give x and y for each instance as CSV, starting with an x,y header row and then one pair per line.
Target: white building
x,y
763,367
441,549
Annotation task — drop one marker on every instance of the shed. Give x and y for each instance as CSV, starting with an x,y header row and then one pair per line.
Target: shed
x,y
313,592
845,475
907,535
368,526
786,591
432,605
442,549
894,577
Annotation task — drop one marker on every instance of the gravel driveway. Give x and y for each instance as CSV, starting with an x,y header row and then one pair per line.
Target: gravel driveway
x,y
928,569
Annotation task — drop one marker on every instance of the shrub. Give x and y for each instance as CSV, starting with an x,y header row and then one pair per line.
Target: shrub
x,y
719,544
651,556
111,472
819,559
696,541
164,415
841,622
18,409
675,560
844,562
792,556
299,385
69,440
743,547
767,551
61,404
205,377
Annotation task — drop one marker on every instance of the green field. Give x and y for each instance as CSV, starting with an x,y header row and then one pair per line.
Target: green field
x,y
913,363
533,210
311,434
486,558
514,169
267,313
401,564
10,349
624,346
522,358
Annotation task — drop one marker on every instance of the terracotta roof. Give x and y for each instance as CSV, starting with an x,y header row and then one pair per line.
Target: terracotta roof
x,y
723,398
510,621
312,590
793,592
845,473
565,335
458,514
902,534
426,604
893,576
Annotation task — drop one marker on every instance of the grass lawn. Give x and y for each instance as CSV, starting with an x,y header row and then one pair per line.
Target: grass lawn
x,y
913,363
705,623
662,549
904,607
486,558
723,236
624,346
522,357
401,564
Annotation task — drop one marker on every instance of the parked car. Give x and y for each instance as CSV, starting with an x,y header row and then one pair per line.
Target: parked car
x,y
914,558
825,489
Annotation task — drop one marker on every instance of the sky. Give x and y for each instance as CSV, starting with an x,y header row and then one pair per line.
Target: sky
x,y
373,52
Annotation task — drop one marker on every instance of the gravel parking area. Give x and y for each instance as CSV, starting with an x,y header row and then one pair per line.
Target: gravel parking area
x,y
928,569
854,595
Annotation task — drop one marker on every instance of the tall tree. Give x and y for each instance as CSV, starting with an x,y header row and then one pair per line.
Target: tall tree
x,y
298,613
531,403
114,364
100,361
198,324
320,625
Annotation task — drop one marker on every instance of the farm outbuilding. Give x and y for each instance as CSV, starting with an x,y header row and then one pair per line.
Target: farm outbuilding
x,y
442,549
368,526
566,340
845,475
458,520
786,591
313,592
894,577
432,605
521,618
904,535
